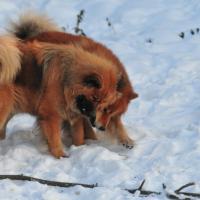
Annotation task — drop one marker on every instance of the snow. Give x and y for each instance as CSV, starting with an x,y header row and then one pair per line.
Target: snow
x,y
163,121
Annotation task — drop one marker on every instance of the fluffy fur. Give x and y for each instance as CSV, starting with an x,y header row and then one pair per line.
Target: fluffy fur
x,y
10,59
108,116
52,84
30,24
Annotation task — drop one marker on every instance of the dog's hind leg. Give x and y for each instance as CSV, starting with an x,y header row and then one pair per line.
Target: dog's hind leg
x,y
6,107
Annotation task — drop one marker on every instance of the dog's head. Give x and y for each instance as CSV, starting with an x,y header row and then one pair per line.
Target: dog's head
x,y
91,81
99,98
91,96
91,84
109,109
87,80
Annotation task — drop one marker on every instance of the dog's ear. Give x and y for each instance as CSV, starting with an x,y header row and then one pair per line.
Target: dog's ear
x,y
92,80
133,95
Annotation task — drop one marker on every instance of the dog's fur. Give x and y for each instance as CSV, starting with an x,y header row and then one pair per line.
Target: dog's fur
x,y
10,62
108,116
55,83
25,28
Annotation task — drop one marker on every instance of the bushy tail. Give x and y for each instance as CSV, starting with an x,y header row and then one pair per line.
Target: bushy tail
x,y
10,59
31,24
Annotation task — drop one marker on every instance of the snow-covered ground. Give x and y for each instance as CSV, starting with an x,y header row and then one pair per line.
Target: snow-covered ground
x,y
164,120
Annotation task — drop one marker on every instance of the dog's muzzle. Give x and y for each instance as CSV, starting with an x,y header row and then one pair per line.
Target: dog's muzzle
x,y
86,108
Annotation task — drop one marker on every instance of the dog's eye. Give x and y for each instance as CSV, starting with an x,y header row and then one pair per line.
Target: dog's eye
x,y
106,110
92,81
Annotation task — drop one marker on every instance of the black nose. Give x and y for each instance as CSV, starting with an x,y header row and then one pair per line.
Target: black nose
x,y
102,128
92,120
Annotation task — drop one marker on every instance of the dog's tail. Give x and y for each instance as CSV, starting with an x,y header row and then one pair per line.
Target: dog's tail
x,y
31,24
10,59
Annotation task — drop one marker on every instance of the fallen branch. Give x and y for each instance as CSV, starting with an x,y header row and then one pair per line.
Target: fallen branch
x,y
175,195
191,194
66,184
184,186
168,194
46,182
142,192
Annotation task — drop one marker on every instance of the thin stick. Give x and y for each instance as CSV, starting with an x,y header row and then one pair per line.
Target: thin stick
x,y
190,194
169,195
47,182
184,186
142,192
141,186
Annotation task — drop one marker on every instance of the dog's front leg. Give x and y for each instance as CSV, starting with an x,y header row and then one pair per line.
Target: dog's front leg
x,y
78,132
116,127
51,128
88,130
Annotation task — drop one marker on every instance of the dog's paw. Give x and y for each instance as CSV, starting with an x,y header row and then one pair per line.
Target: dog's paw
x,y
58,153
66,155
127,143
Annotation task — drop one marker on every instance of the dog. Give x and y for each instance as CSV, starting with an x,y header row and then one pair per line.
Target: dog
x,y
54,83
108,117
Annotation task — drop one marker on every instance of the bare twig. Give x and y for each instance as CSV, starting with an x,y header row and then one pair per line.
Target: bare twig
x,y
77,29
191,194
168,194
47,182
142,192
184,186
141,185
175,195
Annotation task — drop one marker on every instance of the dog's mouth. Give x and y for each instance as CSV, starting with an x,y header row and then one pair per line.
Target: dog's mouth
x,y
101,128
86,108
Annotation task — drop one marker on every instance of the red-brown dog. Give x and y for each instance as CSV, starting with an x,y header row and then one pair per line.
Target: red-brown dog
x,y
54,83
108,116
